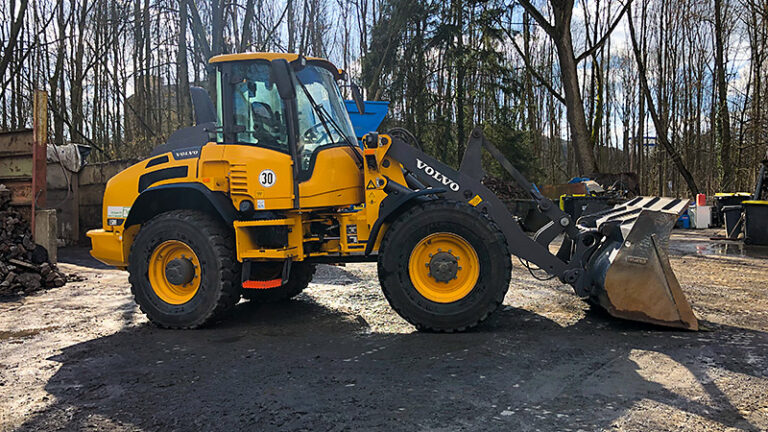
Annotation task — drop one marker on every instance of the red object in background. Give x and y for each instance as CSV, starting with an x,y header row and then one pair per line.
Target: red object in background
x,y
701,200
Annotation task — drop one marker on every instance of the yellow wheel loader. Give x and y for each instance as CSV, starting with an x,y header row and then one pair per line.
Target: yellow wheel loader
x,y
271,181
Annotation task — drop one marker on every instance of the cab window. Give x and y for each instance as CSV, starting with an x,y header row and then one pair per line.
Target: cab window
x,y
258,111
313,132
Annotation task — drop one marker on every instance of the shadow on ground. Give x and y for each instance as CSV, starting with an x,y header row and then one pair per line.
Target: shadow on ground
x,y
301,366
81,256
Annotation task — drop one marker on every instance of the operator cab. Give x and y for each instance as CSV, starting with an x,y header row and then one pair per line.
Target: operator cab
x,y
251,108
283,102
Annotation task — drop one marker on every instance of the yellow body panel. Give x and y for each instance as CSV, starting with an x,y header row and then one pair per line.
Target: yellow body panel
x,y
375,180
338,192
246,164
112,247
248,248
336,180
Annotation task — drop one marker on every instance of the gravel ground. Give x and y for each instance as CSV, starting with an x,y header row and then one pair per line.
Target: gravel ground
x,y
338,358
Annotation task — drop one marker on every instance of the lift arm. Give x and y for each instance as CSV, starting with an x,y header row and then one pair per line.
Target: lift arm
x,y
466,185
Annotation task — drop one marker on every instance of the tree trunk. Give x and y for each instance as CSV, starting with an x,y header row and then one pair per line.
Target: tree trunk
x,y
661,127
185,109
723,116
560,33
460,77
10,45
575,105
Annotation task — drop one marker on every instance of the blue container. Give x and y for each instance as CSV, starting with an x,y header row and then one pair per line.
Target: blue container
x,y
375,111
684,221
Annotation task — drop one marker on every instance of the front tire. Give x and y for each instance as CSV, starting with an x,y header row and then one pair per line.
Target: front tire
x,y
444,266
182,269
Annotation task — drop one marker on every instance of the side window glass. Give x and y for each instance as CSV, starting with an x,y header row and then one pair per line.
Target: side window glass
x,y
315,133
257,108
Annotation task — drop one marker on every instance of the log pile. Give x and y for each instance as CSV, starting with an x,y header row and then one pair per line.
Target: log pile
x,y
24,266
505,190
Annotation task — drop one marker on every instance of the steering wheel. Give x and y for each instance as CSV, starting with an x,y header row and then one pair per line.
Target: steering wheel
x,y
316,133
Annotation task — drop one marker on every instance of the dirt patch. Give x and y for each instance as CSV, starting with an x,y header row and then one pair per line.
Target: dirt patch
x,y
338,358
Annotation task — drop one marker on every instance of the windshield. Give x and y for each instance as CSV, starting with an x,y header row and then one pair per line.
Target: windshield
x,y
257,108
313,132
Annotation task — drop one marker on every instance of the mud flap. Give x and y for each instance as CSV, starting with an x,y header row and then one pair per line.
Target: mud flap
x,y
631,272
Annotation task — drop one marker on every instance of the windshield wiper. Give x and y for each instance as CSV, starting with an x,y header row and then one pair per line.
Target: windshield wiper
x,y
326,120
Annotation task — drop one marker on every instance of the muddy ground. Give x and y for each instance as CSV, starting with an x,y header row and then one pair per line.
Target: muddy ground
x,y
338,358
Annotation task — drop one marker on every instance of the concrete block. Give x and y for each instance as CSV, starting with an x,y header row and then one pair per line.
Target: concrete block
x,y
45,231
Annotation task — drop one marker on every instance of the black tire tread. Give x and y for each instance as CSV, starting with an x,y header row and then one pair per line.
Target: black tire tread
x,y
222,241
386,278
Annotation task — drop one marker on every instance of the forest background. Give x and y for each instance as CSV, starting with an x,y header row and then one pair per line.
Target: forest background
x,y
671,90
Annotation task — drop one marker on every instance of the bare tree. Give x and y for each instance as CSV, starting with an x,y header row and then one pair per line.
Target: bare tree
x,y
661,125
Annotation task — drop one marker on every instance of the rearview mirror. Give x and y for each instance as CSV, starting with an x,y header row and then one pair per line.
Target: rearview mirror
x,y
358,98
281,76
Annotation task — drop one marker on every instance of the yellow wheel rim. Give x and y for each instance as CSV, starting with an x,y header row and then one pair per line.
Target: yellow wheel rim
x,y
162,255
444,267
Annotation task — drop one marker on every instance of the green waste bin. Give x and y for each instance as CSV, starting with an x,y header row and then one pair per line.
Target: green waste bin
x,y
755,222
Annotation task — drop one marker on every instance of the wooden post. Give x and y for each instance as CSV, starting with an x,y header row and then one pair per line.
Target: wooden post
x,y
39,150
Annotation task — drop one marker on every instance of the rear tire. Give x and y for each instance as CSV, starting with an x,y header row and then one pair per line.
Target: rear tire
x,y
436,305
299,278
217,269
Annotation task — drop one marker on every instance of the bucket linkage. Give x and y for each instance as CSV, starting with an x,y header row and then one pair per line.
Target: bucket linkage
x,y
615,258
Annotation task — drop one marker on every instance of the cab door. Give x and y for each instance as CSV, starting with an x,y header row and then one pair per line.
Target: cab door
x,y
329,170
254,136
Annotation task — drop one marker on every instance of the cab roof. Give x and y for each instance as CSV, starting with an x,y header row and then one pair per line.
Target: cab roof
x,y
270,56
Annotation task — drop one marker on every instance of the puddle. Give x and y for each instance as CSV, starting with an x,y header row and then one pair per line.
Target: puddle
x,y
718,247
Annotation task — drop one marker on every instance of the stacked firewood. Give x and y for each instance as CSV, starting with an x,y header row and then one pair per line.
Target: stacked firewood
x,y
24,266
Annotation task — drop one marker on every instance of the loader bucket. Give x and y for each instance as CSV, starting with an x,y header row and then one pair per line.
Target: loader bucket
x,y
631,272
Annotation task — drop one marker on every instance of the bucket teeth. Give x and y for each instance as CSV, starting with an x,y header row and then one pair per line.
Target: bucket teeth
x,y
632,275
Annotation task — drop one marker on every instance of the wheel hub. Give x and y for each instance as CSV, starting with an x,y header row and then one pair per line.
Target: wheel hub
x,y
443,267
174,272
180,271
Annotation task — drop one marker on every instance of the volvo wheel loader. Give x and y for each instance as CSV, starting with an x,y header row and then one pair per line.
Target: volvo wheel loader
x,y
271,181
